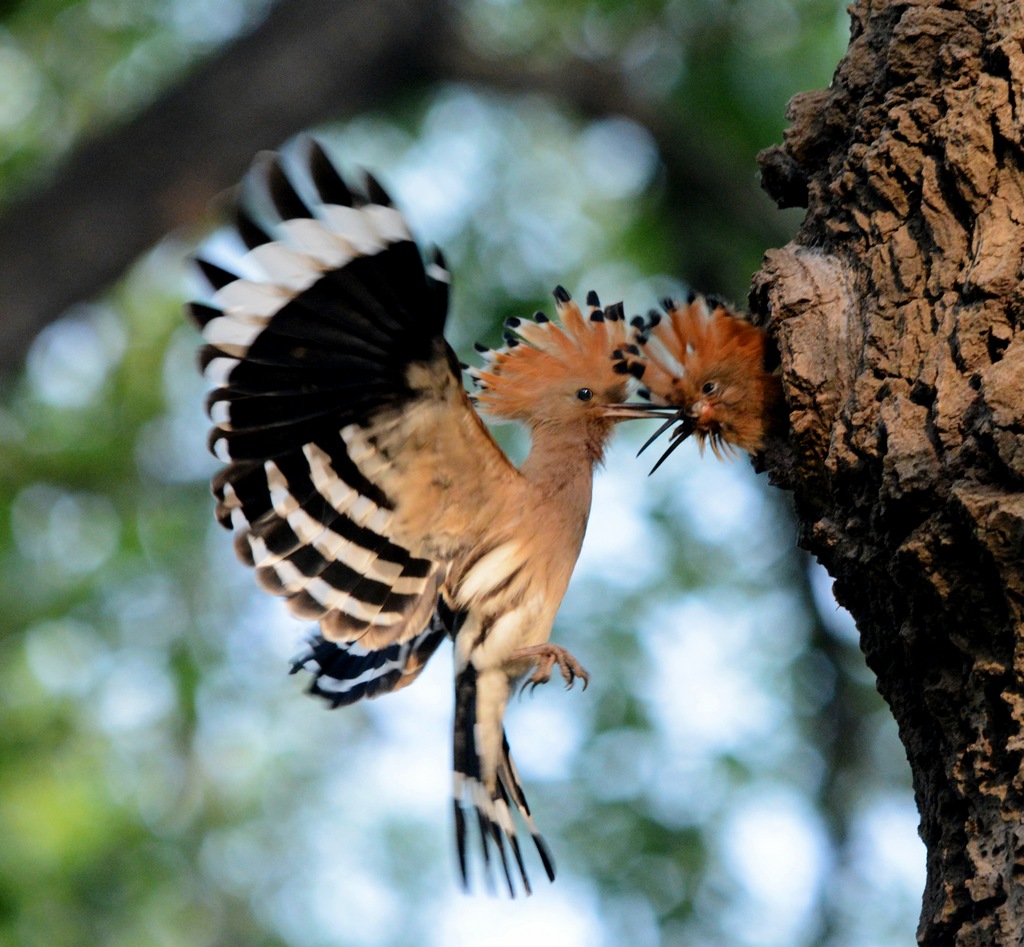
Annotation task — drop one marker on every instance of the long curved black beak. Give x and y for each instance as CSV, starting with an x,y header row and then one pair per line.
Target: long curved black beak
x,y
686,427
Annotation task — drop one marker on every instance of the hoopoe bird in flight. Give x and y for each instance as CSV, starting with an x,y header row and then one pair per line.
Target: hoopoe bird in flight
x,y
714,366
363,486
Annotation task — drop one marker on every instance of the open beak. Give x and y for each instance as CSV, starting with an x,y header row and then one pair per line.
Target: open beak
x,y
687,425
668,414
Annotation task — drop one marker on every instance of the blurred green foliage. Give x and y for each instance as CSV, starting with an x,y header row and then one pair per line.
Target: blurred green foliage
x,y
730,777
70,67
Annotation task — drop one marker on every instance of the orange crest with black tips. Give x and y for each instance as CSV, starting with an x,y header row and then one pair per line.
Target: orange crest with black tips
x,y
545,362
709,361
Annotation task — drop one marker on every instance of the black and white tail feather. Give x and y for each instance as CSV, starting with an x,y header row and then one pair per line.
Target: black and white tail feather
x,y
310,348
490,809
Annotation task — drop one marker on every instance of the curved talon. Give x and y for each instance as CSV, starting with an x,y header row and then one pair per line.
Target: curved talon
x,y
546,656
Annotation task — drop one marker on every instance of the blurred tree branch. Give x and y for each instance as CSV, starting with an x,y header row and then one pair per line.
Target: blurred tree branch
x,y
310,61
120,192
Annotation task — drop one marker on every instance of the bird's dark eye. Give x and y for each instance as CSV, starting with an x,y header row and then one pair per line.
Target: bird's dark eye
x,y
584,394
710,387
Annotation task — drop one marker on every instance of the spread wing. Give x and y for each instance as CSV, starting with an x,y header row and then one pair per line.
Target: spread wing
x,y
356,466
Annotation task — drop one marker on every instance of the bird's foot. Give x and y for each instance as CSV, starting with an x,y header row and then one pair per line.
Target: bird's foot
x,y
546,656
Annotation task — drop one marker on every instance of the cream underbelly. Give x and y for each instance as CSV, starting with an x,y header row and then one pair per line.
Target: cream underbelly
x,y
492,641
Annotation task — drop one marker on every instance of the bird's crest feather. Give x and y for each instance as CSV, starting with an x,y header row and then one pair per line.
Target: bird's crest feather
x,y
539,354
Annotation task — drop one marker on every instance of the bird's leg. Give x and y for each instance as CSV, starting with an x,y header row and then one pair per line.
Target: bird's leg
x,y
546,656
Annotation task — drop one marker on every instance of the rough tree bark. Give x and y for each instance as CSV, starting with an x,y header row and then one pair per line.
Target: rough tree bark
x,y
898,313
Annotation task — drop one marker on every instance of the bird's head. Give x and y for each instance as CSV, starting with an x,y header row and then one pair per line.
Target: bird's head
x,y
561,372
709,362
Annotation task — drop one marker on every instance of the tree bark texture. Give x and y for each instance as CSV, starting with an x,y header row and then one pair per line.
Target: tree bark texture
x,y
898,312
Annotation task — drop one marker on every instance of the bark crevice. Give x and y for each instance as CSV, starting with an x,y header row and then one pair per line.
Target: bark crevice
x,y
903,366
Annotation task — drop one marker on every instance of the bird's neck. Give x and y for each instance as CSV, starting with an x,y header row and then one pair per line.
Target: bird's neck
x,y
562,459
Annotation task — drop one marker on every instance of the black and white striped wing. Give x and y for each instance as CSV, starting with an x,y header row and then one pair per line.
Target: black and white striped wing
x,y
346,672
308,347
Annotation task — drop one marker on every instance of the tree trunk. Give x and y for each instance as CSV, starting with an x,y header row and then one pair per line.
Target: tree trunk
x,y
897,313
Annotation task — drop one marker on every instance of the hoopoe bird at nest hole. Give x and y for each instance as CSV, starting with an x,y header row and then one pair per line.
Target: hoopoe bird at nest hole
x,y
363,486
714,366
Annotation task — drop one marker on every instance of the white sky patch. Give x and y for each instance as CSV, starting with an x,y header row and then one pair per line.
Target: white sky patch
x,y
435,183
136,693
144,771
838,620
172,447
429,697
888,854
66,655
619,532
206,24
618,156
773,847
705,691
631,919
267,628
619,281
719,498
621,764
551,244
365,916
559,915
687,790
345,904
878,889
232,744
410,765
21,85
69,361
544,734
233,856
